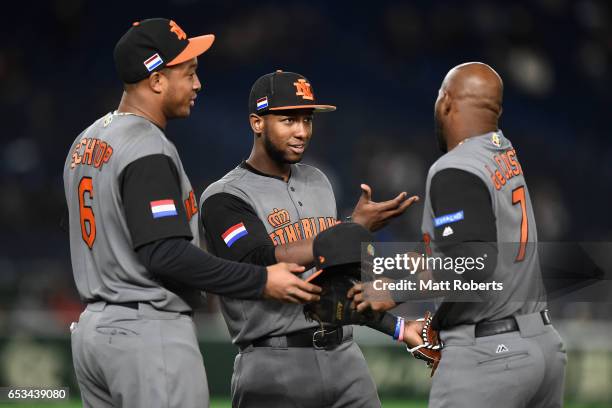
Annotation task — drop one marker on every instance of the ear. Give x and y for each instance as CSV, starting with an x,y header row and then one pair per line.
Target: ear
x,y
257,123
446,102
157,82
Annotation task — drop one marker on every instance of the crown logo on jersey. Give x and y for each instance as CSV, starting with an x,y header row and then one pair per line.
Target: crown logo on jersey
x,y
496,140
278,218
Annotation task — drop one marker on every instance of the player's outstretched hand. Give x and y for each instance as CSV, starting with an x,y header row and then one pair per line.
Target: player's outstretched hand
x,y
373,215
412,333
358,294
283,285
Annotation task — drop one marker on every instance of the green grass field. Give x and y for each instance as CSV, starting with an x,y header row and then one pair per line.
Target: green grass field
x,y
223,403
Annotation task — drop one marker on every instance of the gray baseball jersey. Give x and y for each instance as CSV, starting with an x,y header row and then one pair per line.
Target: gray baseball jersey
x,y
492,161
245,215
477,193
104,262
125,188
291,211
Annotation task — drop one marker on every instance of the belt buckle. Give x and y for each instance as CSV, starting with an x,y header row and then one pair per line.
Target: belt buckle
x,y
545,317
319,341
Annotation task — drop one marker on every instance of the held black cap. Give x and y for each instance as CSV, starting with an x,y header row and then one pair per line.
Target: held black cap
x,y
283,90
150,45
340,245
338,250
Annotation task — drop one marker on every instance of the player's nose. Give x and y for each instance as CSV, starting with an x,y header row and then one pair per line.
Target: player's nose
x,y
197,85
301,130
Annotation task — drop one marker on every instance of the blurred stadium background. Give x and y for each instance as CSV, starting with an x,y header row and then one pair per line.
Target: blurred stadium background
x,y
382,65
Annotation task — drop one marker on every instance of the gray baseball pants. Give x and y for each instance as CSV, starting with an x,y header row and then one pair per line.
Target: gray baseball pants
x,y
138,358
524,368
303,377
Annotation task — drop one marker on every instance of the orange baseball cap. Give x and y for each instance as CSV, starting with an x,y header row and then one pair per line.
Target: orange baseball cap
x,y
152,44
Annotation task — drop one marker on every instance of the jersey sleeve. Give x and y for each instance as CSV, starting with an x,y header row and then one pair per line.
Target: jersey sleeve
x,y
234,231
176,260
462,208
464,223
150,190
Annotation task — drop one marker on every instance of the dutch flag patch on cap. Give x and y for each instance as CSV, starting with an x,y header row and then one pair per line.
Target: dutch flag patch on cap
x,y
262,103
153,62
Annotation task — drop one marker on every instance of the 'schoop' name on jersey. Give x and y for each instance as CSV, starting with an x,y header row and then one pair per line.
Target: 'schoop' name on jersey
x,y
91,152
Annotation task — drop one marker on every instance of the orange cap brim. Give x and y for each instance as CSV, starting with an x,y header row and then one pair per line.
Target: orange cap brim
x,y
317,108
196,46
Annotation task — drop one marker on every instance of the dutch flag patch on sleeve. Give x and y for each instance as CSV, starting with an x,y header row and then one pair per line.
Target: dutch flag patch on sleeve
x,y
234,233
163,208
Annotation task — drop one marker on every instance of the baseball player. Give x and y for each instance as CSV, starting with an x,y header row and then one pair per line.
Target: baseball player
x,y
502,351
269,209
134,236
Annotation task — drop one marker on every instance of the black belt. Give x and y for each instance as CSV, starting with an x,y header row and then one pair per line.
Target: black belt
x,y
509,324
134,305
319,339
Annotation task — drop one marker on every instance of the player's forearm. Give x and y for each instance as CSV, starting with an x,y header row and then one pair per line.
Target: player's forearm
x,y
179,260
263,255
386,324
299,252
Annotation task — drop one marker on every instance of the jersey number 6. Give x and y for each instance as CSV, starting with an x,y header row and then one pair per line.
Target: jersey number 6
x,y
518,196
86,213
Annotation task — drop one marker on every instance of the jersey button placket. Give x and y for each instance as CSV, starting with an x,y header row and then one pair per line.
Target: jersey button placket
x,y
299,203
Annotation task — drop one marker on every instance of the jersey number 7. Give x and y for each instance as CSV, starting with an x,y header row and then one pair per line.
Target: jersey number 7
x,y
518,197
86,212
